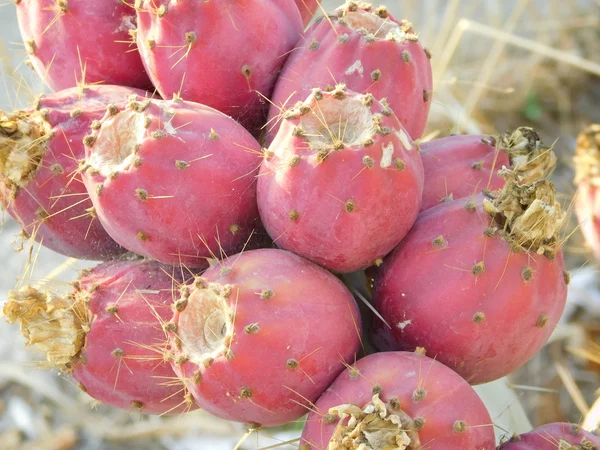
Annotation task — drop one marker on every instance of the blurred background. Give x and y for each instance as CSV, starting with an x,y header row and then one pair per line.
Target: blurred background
x,y
497,65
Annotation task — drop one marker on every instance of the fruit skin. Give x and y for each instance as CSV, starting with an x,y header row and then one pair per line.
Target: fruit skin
x,y
185,174
294,327
75,41
448,399
45,195
333,53
459,166
307,8
342,208
434,293
221,54
587,199
108,333
554,436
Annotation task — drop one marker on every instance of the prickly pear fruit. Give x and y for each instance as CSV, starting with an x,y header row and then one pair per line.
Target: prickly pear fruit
x,y
342,182
185,174
70,42
307,8
587,179
459,166
222,54
398,400
40,186
369,51
554,436
476,278
108,333
261,335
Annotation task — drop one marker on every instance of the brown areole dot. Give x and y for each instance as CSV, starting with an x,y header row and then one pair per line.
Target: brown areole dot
x,y
377,389
197,377
111,309
314,45
350,206
181,165
394,403
137,404
292,363
170,327
426,95
89,140
376,75
141,236
158,134
245,392
470,206
478,317
251,328
406,56
117,353
343,38
142,194
439,241
329,419
266,294
234,229
56,169
293,215
478,268
368,161
567,277
477,165
419,394
542,321
527,273
246,71
460,426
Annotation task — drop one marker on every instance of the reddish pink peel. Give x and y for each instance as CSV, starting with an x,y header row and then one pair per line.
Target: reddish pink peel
x,y
459,166
262,334
39,181
369,51
222,54
456,287
65,53
341,184
554,436
184,174
440,407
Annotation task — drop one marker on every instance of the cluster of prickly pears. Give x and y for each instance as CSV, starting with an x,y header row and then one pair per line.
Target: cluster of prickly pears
x,y
220,221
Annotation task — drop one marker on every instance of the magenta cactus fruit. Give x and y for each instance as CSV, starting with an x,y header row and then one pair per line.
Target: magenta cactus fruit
x,y
475,278
587,180
554,436
40,148
459,166
342,182
262,334
398,400
248,44
368,50
183,172
64,52
307,8
108,334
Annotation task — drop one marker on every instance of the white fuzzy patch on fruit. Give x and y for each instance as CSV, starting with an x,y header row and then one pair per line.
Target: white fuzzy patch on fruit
x,y
404,139
127,23
387,153
333,120
356,67
114,149
403,325
373,24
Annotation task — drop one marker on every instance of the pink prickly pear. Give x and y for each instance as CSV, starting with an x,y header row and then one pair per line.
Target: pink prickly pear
x,y
587,179
222,54
554,436
185,174
476,278
261,335
458,166
307,8
70,42
342,182
108,334
398,400
369,51
40,186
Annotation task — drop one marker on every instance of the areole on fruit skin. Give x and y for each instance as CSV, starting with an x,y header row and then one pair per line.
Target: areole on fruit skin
x,y
400,401
40,148
587,180
184,174
341,184
262,334
219,53
371,52
108,334
65,54
476,278
460,165
554,436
